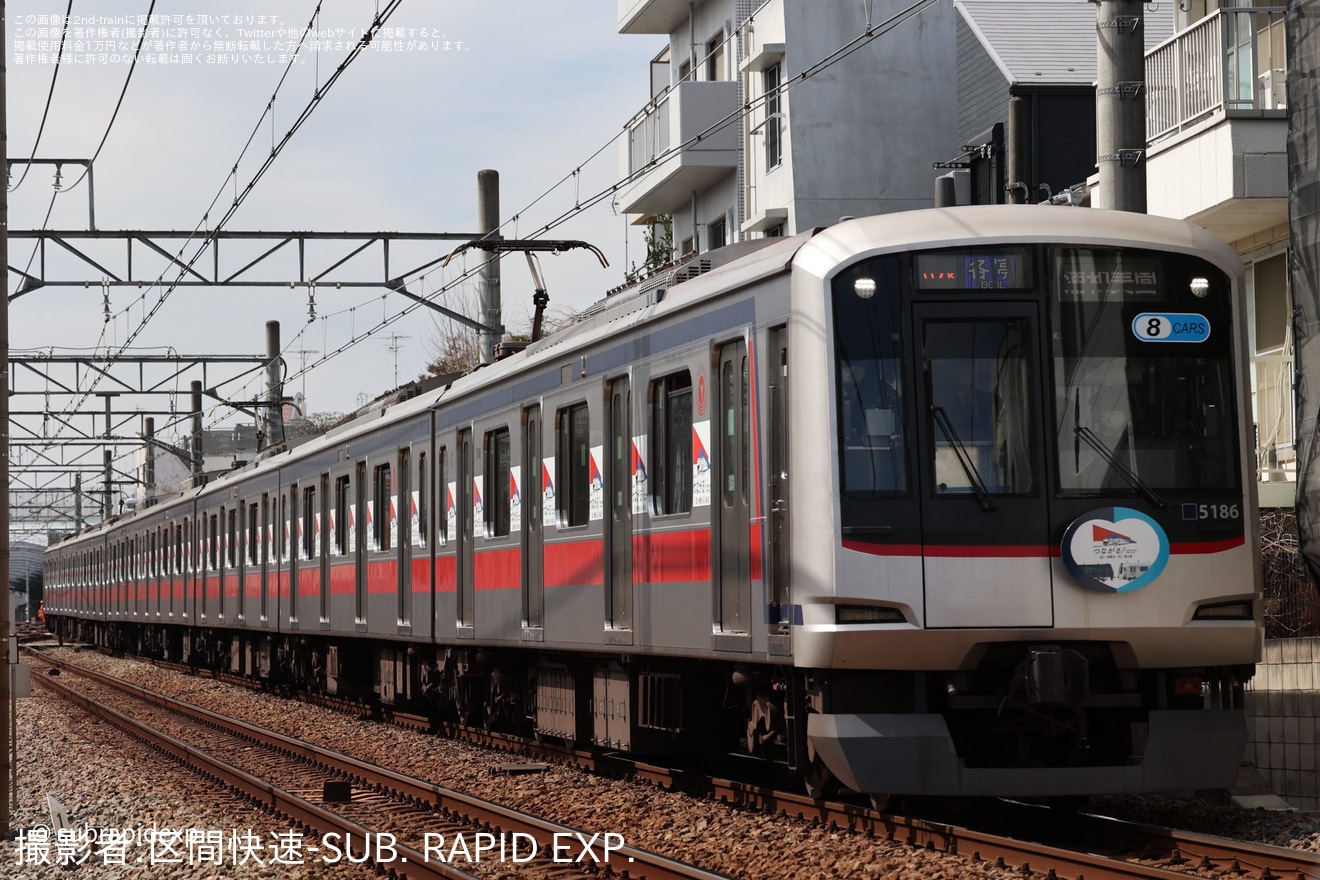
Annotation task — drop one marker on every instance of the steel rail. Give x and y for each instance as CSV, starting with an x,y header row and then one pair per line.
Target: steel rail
x,y
478,811
411,863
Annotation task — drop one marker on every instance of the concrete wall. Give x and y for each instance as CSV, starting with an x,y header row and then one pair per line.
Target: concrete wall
x,y
1283,713
865,131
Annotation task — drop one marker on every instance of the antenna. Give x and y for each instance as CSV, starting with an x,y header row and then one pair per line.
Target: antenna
x,y
394,345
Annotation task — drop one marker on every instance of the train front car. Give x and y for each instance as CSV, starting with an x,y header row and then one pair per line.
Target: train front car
x,y
1025,547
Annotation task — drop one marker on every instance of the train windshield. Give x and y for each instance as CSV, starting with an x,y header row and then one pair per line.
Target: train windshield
x,y
1143,373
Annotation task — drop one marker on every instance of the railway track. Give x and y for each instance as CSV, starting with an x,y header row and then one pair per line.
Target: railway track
x,y
382,808
1074,846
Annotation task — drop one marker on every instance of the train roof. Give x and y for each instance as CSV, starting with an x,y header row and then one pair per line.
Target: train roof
x,y
1009,224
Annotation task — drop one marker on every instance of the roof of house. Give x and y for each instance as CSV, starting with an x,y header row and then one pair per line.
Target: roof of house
x,y
1049,42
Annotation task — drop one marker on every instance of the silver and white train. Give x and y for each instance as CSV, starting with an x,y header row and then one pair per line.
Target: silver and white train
x,y
949,502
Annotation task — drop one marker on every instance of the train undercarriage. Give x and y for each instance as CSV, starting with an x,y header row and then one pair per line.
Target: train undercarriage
x,y
1026,708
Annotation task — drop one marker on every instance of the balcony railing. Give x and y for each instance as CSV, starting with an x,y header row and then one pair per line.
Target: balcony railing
x,y
648,133
1233,60
1272,393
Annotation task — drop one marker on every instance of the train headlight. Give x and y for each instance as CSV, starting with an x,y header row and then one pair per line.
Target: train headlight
x,y
852,614
864,288
1200,287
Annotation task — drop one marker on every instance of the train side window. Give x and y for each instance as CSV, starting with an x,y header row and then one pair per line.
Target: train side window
x,y
382,491
231,539
573,465
308,528
253,535
496,483
422,536
671,444
342,503
445,500
213,543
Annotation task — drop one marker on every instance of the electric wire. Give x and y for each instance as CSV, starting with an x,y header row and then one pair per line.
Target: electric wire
x,y
55,74
872,32
319,94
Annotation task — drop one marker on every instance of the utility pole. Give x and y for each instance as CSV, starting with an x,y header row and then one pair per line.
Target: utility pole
x,y
488,227
274,421
1120,105
6,694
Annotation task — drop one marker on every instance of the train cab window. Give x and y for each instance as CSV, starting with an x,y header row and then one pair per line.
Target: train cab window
x,y
496,486
981,394
869,379
382,490
573,465
342,502
1143,372
309,529
671,444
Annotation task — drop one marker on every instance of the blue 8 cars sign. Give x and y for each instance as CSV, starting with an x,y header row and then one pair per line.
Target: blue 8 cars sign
x,y
1115,550
1171,327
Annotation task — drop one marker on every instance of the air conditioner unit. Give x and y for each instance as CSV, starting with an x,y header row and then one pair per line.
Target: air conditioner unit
x,y
1274,89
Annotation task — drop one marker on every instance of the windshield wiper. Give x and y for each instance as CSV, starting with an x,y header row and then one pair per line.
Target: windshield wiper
x,y
964,459
1107,454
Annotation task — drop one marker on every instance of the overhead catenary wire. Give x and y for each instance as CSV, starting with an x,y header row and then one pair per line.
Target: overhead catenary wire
x,y
869,34
319,94
50,94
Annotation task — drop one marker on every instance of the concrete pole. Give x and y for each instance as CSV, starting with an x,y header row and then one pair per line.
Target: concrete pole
x,y
196,464
1017,152
488,225
149,471
77,503
1120,106
274,415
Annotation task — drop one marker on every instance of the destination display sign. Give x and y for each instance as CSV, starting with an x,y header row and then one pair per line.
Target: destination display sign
x,y
1102,276
1002,269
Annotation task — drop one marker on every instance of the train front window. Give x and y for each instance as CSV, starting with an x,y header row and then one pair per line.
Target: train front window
x,y
869,349
980,398
1143,373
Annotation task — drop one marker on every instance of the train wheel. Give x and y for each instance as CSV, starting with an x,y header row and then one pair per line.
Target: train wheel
x,y
881,802
819,781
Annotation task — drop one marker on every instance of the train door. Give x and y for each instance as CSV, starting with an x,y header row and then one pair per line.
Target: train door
x,y
533,563
733,490
466,517
985,524
777,572
618,601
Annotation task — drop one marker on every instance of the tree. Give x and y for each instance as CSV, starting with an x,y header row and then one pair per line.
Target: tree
x,y
659,239
453,346
313,424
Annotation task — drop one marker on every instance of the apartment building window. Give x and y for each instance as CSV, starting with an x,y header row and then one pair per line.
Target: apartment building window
x,y
688,246
715,58
684,71
771,78
716,234
776,231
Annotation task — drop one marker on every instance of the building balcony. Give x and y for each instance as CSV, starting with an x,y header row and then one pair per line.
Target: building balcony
x,y
675,148
652,16
1216,123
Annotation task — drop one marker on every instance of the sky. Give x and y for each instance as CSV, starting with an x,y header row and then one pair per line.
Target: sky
x,y
531,88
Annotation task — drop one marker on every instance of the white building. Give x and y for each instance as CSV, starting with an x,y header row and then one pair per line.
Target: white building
x,y
857,137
